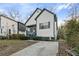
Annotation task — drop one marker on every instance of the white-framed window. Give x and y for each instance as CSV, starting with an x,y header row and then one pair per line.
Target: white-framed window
x,y
45,25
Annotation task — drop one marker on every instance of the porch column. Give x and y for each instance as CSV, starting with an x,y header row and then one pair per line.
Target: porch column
x,y
50,38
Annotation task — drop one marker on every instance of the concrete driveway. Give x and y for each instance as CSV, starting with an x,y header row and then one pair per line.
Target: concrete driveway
x,y
42,48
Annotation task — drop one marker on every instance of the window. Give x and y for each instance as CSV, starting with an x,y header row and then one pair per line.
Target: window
x,y
1,30
44,25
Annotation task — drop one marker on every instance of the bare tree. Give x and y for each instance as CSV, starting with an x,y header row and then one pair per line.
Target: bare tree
x,y
53,9
14,14
73,12
3,13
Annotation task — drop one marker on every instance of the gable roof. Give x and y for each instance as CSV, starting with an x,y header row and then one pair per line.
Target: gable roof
x,y
21,23
32,15
8,18
11,19
55,18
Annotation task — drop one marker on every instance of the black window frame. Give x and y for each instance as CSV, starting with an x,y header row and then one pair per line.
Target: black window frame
x,y
45,25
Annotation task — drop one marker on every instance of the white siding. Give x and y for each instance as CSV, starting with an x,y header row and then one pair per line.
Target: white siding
x,y
6,24
32,19
46,17
20,32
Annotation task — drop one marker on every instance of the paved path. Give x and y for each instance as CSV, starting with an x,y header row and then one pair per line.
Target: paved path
x,y
42,48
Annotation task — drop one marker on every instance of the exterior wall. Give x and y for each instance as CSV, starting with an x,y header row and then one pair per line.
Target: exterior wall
x,y
46,17
7,24
32,19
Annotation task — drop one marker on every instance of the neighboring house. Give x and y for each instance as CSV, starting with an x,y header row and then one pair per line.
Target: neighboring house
x,y
42,23
9,26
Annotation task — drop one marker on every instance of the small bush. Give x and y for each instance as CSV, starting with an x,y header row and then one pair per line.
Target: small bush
x,y
21,36
27,38
13,36
18,36
3,37
41,38
35,38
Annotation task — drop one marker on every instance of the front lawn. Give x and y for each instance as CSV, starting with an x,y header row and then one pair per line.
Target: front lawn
x,y
8,47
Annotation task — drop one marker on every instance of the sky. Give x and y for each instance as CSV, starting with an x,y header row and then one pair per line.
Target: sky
x,y
26,9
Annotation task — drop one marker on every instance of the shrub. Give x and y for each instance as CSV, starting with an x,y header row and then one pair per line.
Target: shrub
x,y
41,38
13,36
18,36
70,32
21,36
27,38
36,38
3,37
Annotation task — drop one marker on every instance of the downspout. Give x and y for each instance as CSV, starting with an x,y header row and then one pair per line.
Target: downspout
x,y
0,25
18,28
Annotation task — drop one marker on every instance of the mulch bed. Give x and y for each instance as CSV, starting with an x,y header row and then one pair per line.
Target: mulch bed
x,y
62,48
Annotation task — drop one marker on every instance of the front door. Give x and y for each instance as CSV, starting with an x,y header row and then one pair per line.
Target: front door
x,y
9,31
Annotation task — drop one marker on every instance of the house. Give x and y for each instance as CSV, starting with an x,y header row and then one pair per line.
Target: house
x,y
42,23
9,26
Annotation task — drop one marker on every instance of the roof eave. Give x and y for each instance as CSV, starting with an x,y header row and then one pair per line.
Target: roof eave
x,y
32,15
47,11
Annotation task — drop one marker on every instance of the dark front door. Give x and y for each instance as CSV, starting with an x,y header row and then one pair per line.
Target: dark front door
x,y
9,31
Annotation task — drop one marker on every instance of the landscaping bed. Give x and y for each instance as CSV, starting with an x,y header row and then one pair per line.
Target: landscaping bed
x,y
64,49
8,47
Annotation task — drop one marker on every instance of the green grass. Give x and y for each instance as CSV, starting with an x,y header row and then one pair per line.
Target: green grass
x,y
7,47
11,42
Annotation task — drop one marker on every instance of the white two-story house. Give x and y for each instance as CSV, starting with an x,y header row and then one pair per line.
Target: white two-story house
x,y
42,23
9,26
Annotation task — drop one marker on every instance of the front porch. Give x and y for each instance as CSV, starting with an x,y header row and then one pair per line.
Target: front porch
x,y
31,30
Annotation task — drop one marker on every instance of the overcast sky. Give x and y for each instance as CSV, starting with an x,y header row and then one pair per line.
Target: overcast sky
x,y
27,9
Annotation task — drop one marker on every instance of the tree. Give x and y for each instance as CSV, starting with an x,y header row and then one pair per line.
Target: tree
x,y
14,14
73,11
70,29
72,32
